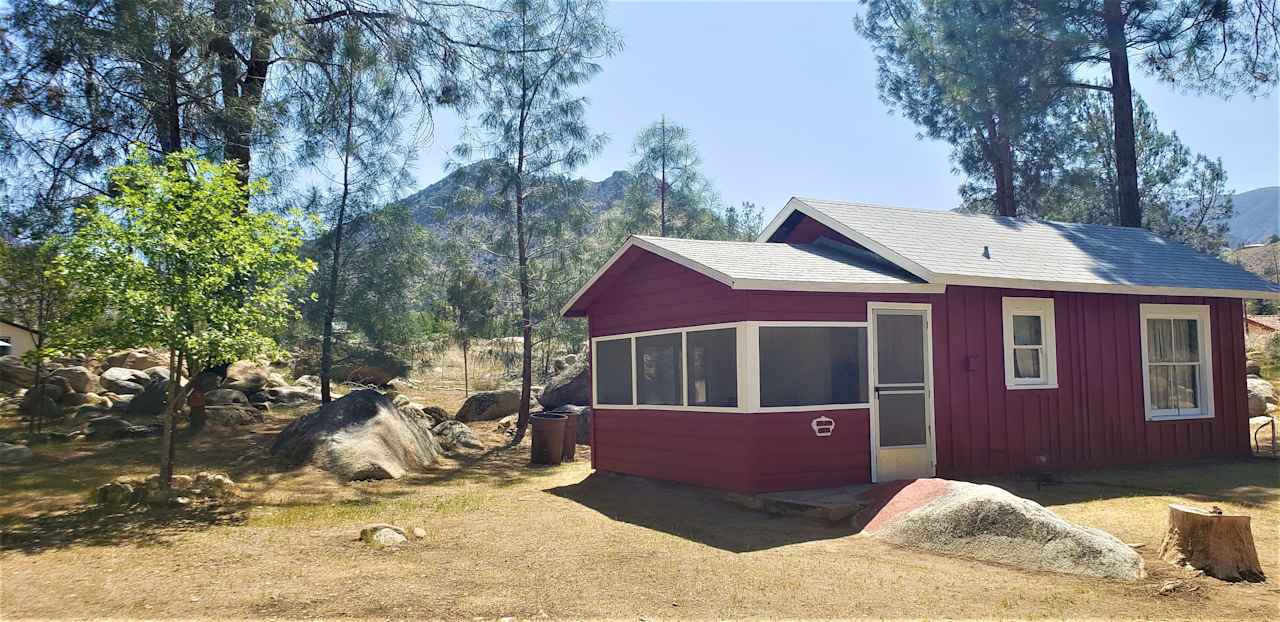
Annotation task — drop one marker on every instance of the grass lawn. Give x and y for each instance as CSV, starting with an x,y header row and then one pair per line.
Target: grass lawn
x,y
504,539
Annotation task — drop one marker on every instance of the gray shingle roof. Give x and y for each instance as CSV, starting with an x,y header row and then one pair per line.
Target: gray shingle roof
x,y
753,265
949,247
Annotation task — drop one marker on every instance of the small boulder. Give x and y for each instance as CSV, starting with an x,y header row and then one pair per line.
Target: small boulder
x,y
137,359
40,404
489,405
14,454
453,433
13,371
571,386
370,375
246,377
360,436
382,535
118,494
158,372
507,424
419,533
124,380
226,397
1252,368
152,401
291,395
106,427
1260,392
276,380
78,378
233,415
84,399
309,381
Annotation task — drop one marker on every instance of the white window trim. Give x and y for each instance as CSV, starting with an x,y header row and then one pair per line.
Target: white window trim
x,y
748,335
1044,309
1200,313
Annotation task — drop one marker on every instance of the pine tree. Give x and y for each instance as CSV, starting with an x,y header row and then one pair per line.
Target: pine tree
x,y
533,125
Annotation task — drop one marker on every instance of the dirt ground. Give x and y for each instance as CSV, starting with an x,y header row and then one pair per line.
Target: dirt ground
x,y
508,540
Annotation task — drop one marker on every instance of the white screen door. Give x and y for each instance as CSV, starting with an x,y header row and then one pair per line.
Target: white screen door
x,y
902,430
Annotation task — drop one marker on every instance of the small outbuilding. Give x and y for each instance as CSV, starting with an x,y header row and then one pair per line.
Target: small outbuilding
x,y
855,343
16,339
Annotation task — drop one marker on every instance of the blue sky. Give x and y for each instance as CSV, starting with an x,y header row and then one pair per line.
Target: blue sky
x,y
781,100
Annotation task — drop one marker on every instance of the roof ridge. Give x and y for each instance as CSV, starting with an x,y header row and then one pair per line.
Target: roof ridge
x,y
939,212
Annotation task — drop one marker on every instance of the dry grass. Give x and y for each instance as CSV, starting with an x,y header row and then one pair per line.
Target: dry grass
x,y
505,539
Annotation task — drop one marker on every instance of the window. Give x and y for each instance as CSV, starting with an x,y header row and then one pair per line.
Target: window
x,y
683,369
713,367
658,372
1177,369
613,371
1030,355
813,366
6,345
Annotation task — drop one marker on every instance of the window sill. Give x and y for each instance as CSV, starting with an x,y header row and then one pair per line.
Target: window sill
x,y
1025,387
812,408
1159,418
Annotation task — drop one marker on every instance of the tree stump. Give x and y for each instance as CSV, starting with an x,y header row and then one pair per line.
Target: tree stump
x,y
1218,544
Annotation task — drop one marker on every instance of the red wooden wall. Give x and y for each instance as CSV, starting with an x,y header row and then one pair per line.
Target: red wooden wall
x,y
1095,418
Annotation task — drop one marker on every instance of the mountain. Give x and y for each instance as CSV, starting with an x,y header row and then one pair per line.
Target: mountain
x,y
432,205
1256,217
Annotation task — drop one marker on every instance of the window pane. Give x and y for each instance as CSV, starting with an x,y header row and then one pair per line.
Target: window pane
x,y
658,370
1026,331
713,367
1026,363
1186,341
613,371
1186,388
1161,377
899,349
1159,341
812,365
902,418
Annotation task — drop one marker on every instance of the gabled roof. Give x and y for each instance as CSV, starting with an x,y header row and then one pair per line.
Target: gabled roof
x,y
825,266
1266,321
967,249
17,325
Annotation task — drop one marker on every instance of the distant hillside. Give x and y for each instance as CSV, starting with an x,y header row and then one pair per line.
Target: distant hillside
x,y
1263,260
433,206
1257,216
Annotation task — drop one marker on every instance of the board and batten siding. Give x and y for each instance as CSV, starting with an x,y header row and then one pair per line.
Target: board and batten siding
x,y
1096,417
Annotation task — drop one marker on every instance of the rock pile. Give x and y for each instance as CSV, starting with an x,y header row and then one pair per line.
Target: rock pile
x,y
183,489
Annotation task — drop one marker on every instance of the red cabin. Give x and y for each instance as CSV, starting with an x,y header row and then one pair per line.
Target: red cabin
x,y
855,343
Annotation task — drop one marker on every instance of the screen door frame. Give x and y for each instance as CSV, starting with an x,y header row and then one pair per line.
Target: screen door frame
x,y
906,308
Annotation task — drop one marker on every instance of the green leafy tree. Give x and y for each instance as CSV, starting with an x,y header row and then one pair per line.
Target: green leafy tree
x,y
170,260
980,74
533,125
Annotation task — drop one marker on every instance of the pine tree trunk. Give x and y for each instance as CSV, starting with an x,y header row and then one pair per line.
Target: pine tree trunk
x,y
170,420
1130,211
526,321
1006,202
331,305
1220,545
466,380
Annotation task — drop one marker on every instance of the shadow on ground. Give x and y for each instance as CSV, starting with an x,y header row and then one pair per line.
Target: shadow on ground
x,y
1251,482
97,526
695,514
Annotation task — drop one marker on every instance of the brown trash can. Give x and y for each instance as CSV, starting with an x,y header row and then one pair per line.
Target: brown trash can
x,y
548,438
570,433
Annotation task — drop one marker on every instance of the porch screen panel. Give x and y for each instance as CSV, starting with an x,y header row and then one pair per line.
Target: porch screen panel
x,y
613,372
658,370
713,367
813,365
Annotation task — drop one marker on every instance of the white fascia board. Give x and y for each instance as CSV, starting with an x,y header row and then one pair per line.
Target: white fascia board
x,y
1101,288
799,205
827,286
